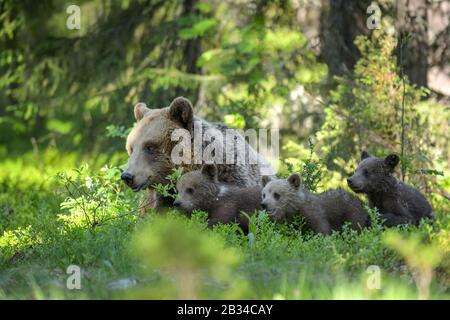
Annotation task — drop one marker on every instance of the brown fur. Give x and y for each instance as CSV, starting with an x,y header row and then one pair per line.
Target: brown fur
x,y
149,146
396,202
323,213
201,190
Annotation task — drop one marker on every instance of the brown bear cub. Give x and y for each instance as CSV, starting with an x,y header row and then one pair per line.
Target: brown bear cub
x,y
202,190
323,213
396,202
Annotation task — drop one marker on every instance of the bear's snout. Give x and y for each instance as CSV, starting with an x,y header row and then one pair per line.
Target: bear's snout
x,y
354,185
177,203
127,178
350,182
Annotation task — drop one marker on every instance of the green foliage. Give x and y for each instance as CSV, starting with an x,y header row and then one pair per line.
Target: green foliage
x,y
168,189
422,258
430,172
248,65
198,29
94,199
17,240
364,112
272,261
247,60
188,253
365,109
38,231
74,83
309,169
117,131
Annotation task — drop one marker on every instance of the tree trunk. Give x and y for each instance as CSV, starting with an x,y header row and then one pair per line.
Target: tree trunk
x,y
342,22
413,27
192,47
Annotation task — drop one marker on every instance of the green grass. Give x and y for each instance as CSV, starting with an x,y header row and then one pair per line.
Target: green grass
x,y
47,224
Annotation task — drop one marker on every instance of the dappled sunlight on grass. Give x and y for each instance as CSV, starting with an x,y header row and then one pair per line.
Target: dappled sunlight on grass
x,y
171,256
194,261
421,258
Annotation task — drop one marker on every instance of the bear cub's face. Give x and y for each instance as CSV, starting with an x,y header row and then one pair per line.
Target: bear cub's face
x,y
278,195
197,189
372,173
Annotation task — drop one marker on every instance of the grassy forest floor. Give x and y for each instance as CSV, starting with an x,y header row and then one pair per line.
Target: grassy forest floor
x,y
47,223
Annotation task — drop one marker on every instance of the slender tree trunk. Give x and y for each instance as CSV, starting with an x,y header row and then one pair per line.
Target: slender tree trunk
x,y
191,50
192,47
413,25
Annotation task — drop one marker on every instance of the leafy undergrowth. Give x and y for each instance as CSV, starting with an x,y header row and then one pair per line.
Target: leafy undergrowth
x,y
52,223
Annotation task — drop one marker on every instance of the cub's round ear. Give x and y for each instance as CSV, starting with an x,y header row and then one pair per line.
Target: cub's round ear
x,y
391,161
181,111
365,155
295,180
265,180
210,170
140,110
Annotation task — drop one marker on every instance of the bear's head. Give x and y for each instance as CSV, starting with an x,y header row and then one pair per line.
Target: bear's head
x,y
198,189
373,175
149,144
279,196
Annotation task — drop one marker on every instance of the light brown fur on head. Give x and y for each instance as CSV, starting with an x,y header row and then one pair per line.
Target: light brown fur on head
x,y
152,152
279,196
149,144
323,213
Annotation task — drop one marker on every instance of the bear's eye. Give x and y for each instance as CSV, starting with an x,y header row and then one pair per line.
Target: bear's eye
x,y
366,173
190,191
276,196
149,148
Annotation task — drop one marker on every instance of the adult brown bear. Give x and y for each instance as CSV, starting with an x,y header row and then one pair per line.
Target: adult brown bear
x,y
152,142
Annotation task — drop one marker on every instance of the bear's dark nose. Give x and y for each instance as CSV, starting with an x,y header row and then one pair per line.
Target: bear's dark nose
x,y
349,182
176,203
127,178
264,206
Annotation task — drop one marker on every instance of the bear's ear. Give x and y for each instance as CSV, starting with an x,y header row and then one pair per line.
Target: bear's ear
x,y
265,180
181,111
365,155
295,180
391,161
210,170
140,110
